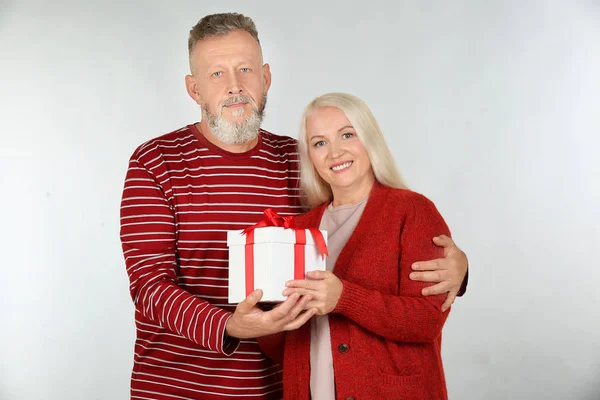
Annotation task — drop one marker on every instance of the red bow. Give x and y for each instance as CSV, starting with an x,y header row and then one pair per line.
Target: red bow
x,y
272,219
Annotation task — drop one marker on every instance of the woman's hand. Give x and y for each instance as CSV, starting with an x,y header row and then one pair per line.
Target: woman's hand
x,y
323,287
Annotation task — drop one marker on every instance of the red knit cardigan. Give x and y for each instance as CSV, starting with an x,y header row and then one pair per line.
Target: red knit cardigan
x,y
385,336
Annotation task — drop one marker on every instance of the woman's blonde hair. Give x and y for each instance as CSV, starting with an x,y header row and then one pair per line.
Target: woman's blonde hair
x,y
314,189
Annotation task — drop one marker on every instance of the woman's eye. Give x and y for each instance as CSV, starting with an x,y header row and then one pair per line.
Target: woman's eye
x,y
217,74
319,143
347,135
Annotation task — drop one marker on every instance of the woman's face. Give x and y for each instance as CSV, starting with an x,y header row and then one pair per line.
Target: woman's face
x,y
338,154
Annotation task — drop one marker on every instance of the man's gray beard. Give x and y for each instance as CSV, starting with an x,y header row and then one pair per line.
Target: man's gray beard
x,y
232,132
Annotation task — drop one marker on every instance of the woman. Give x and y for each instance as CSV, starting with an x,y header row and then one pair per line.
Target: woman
x,y
374,336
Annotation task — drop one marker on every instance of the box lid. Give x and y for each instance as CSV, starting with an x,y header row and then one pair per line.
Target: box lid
x,y
270,234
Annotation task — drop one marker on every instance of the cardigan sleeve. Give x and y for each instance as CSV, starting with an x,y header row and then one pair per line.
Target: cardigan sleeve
x,y
409,316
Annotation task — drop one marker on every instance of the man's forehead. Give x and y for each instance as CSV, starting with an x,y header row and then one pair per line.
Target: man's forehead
x,y
224,59
235,46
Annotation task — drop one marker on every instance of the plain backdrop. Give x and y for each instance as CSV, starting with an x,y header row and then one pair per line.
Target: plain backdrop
x,y
492,110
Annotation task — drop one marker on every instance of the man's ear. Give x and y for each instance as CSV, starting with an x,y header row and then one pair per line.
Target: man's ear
x,y
192,88
267,77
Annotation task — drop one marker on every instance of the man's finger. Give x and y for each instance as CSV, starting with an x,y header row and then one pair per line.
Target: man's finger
x,y
449,301
301,320
246,305
432,265
300,306
289,310
443,241
427,276
440,288
283,309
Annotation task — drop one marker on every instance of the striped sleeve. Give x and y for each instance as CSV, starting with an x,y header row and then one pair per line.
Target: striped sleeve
x,y
149,245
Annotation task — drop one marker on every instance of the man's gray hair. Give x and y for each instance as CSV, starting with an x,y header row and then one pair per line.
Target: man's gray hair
x,y
220,25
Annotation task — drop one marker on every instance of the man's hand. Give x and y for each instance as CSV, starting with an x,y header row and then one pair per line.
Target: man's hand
x,y
323,286
449,271
249,321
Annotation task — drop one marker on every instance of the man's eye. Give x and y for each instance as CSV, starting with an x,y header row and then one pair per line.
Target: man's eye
x,y
218,73
245,70
319,143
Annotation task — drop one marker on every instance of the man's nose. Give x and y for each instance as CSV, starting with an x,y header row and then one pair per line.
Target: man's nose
x,y
234,85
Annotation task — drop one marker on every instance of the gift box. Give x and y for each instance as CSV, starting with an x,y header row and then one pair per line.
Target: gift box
x,y
270,253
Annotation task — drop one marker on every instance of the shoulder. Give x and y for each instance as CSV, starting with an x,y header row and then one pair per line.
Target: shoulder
x,y
408,202
417,211
167,143
407,195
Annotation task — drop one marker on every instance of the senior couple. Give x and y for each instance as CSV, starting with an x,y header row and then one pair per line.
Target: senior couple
x,y
369,327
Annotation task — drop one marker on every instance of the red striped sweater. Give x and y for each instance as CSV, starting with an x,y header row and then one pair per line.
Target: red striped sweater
x,y
181,195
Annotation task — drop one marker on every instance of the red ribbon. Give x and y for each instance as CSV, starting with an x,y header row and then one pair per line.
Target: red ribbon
x,y
274,219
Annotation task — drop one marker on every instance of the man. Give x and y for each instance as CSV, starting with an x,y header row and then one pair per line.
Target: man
x,y
182,192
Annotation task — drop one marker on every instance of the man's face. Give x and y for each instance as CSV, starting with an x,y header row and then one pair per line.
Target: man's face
x,y
230,83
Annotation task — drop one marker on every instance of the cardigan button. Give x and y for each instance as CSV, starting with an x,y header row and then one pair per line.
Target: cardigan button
x,y
343,348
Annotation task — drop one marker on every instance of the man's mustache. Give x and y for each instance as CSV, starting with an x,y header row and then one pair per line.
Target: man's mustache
x,y
237,99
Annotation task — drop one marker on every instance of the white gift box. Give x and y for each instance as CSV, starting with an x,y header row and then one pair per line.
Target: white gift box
x,y
274,261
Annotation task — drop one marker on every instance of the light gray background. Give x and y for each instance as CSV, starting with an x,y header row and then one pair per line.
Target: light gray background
x,y
492,110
